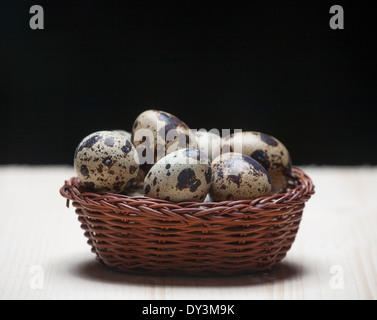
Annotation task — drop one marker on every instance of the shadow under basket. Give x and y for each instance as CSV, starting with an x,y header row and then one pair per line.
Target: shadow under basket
x,y
142,235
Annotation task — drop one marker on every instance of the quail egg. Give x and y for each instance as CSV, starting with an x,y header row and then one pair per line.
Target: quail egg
x,y
106,161
267,150
238,177
209,142
183,175
157,133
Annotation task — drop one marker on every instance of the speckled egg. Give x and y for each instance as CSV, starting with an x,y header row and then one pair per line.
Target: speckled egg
x,y
209,142
106,161
267,150
157,133
183,175
238,177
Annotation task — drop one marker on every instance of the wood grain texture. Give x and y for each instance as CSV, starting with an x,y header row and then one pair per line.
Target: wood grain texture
x,y
334,255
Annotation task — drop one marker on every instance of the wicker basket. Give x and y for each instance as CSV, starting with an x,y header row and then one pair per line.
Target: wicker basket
x,y
144,235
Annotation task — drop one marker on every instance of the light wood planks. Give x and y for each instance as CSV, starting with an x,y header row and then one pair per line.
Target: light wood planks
x,y
44,255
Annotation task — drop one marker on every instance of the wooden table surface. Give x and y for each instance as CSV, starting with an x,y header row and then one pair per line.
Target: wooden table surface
x,y
44,255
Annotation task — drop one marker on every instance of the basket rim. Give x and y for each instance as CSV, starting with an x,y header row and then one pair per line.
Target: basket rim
x,y
302,192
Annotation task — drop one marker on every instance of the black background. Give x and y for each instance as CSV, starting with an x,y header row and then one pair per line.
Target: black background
x,y
274,66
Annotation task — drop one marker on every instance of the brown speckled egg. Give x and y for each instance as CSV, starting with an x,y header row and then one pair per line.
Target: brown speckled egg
x,y
209,142
183,175
238,177
106,161
267,150
157,133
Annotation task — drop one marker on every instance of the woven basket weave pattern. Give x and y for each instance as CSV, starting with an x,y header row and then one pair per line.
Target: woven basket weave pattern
x,y
139,234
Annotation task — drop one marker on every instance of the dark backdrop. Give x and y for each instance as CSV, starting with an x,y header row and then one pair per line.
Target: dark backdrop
x,y
275,67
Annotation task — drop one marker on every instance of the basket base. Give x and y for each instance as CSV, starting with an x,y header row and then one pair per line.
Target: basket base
x,y
192,268
254,271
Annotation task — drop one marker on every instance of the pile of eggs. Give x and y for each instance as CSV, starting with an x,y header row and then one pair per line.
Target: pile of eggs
x,y
178,164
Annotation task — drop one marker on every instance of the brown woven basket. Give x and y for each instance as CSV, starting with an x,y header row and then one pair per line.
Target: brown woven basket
x,y
144,235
